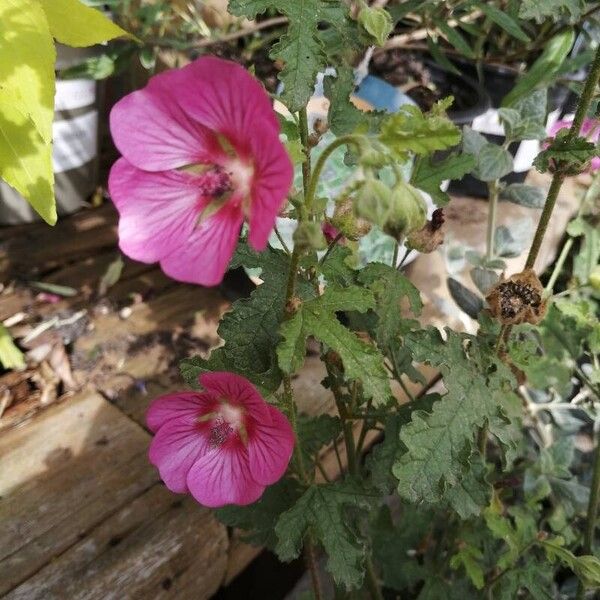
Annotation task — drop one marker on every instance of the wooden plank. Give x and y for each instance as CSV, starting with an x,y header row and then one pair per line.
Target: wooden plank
x,y
24,250
158,546
71,468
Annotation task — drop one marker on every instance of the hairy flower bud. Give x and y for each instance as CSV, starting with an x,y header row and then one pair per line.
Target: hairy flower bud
x,y
518,299
407,212
346,222
308,236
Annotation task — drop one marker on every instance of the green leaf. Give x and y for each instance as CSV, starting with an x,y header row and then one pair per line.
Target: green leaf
x,y
472,493
470,303
570,157
323,510
336,268
53,288
250,329
377,22
10,356
588,256
455,38
316,432
439,443
440,57
522,194
390,288
526,118
470,558
381,459
586,567
510,242
409,130
75,24
503,20
544,68
300,48
257,519
27,104
491,161
429,174
539,10
343,117
392,543
362,361
484,278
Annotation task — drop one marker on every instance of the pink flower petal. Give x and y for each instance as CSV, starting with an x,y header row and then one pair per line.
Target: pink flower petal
x,y
225,98
152,131
158,211
270,448
272,182
222,477
238,390
172,406
205,253
177,445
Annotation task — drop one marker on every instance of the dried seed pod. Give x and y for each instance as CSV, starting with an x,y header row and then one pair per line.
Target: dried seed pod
x,y
429,237
518,299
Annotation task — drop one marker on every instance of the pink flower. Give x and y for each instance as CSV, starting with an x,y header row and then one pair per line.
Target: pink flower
x,y
223,445
590,129
201,153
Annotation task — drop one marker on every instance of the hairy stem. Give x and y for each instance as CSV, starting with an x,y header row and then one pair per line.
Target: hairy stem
x,y
491,222
310,556
590,195
557,180
592,512
314,179
303,127
371,580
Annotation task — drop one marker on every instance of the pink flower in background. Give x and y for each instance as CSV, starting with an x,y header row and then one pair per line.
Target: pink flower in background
x,y
590,129
201,154
223,445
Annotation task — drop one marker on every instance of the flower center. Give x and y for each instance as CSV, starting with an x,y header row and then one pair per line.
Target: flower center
x,y
226,421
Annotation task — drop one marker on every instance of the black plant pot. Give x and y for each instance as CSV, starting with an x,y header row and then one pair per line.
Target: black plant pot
x,y
470,98
498,82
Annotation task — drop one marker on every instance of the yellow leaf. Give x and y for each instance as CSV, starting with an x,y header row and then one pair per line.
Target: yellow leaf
x,y
25,158
76,24
27,57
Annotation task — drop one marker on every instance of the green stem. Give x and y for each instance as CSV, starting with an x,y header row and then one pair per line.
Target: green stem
x,y
558,266
371,580
310,556
395,255
314,179
590,195
348,435
557,180
303,127
592,513
492,216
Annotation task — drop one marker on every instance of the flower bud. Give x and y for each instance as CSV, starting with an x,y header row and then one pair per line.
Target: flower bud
x,y
330,232
308,236
373,201
347,223
595,278
408,211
